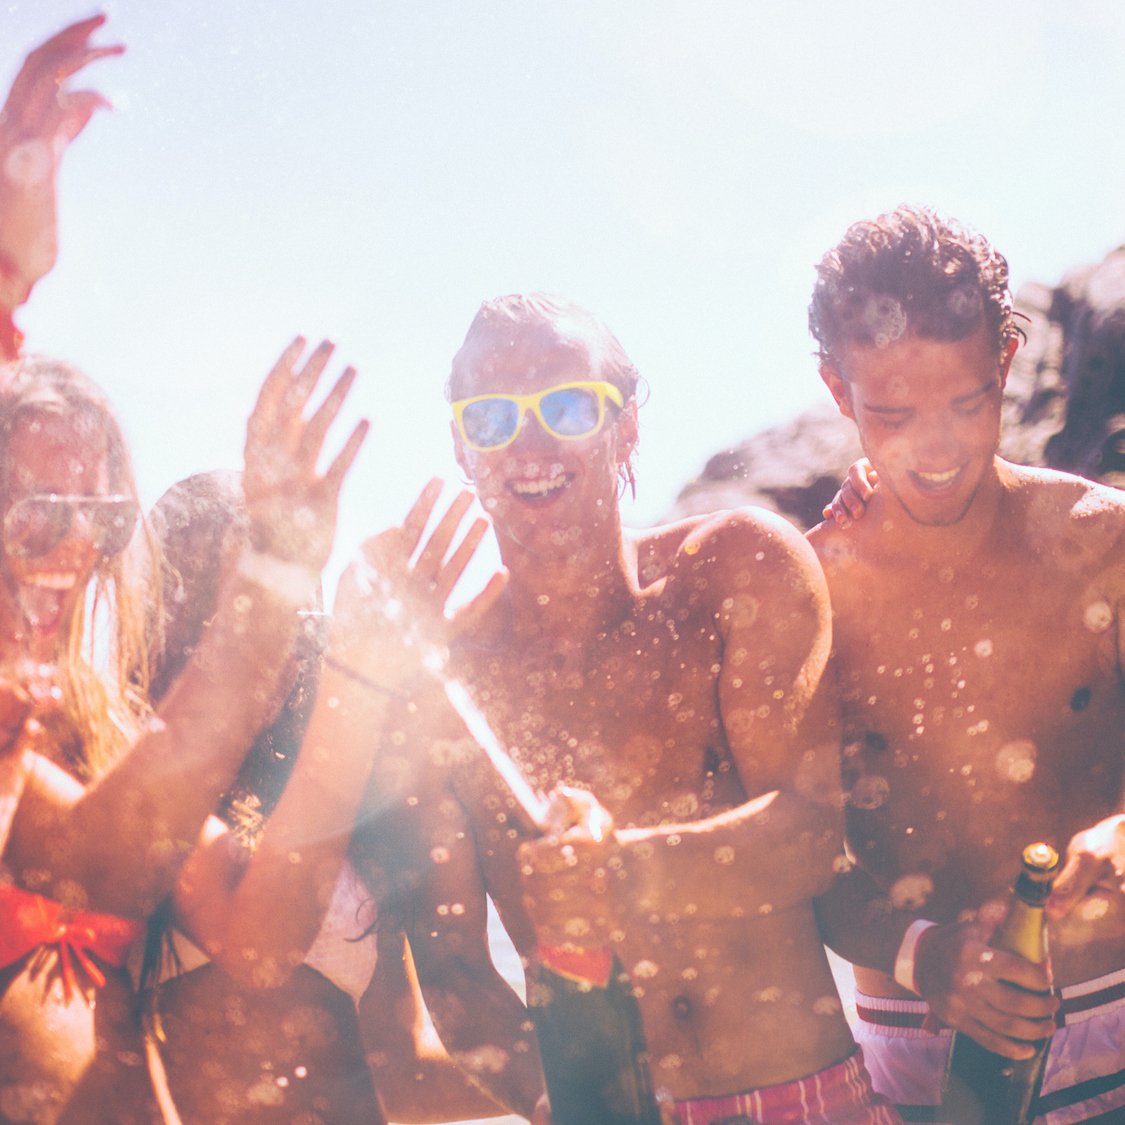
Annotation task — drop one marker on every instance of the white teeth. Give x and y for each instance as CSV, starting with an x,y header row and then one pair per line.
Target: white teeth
x,y
938,478
51,581
538,487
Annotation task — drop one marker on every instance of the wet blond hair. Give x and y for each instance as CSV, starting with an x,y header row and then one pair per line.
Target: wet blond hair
x,y
103,654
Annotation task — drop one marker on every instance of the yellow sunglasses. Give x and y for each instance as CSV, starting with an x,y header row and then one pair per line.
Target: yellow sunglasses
x,y
568,411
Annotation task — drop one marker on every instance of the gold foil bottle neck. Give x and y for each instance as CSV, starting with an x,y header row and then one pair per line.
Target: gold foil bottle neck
x,y
1040,861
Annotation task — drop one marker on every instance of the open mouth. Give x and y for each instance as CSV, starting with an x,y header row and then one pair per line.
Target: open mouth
x,y
48,580
540,490
936,482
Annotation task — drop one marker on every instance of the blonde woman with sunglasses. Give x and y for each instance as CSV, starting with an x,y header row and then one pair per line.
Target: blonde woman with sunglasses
x,y
101,798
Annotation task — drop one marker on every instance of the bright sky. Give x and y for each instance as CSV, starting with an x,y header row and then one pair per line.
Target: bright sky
x,y
370,170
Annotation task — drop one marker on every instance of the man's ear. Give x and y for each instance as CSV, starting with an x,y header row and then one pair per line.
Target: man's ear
x,y
838,385
1006,357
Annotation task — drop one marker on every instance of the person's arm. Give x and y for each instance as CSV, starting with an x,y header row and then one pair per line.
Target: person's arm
x,y
257,917
118,845
777,849
40,118
998,998
417,843
1095,858
416,1078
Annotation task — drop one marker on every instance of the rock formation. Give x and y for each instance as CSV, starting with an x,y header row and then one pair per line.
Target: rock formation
x,y
1064,407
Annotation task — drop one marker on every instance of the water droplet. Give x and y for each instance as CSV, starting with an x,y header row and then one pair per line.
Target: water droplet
x,y
911,892
1016,760
869,792
1098,617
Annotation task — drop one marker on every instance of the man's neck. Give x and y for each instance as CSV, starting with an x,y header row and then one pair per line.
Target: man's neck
x,y
903,536
575,594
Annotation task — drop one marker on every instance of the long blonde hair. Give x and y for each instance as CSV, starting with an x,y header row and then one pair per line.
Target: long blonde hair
x,y
104,651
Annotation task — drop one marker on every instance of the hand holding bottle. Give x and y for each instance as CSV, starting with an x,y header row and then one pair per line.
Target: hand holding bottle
x,y
998,997
569,873
984,1087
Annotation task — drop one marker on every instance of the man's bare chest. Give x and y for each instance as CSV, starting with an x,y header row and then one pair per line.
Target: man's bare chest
x,y
991,644
970,697
633,717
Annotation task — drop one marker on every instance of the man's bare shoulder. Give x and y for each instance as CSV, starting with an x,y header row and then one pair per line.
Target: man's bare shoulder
x,y
841,550
743,550
656,547
1079,516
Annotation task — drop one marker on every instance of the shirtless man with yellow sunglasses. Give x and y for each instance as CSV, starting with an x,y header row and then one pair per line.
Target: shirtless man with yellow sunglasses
x,y
679,680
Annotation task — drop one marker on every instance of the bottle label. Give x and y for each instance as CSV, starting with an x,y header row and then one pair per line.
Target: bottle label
x,y
584,966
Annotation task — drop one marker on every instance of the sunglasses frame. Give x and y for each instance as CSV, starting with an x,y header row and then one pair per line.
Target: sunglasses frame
x,y
601,388
69,502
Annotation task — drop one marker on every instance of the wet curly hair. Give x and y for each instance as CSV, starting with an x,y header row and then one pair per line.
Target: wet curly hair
x,y
910,270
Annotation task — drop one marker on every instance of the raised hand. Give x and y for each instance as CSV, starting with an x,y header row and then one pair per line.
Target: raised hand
x,y
40,118
998,998
854,495
292,506
391,614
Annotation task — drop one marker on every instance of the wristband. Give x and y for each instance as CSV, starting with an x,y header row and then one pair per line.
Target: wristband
x,y
289,581
904,959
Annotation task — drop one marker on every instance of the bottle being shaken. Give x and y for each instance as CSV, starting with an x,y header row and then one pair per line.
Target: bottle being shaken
x,y
983,1088
586,1016
590,1038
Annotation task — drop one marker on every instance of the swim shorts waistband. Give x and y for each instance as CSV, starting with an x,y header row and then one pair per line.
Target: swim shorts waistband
x,y
838,1094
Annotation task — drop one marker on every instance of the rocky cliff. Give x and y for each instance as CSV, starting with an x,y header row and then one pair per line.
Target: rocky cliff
x,y
1064,407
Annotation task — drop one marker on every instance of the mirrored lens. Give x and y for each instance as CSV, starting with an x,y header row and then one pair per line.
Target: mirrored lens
x,y
112,523
490,422
570,412
34,526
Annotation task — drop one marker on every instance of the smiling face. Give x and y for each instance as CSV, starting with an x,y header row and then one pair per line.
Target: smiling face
x,y
928,413
66,454
540,487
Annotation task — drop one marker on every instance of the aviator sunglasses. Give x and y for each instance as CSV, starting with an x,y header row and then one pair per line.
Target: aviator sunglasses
x,y
35,525
568,411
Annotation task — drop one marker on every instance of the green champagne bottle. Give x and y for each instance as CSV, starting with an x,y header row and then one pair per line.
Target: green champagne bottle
x,y
983,1088
590,1039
